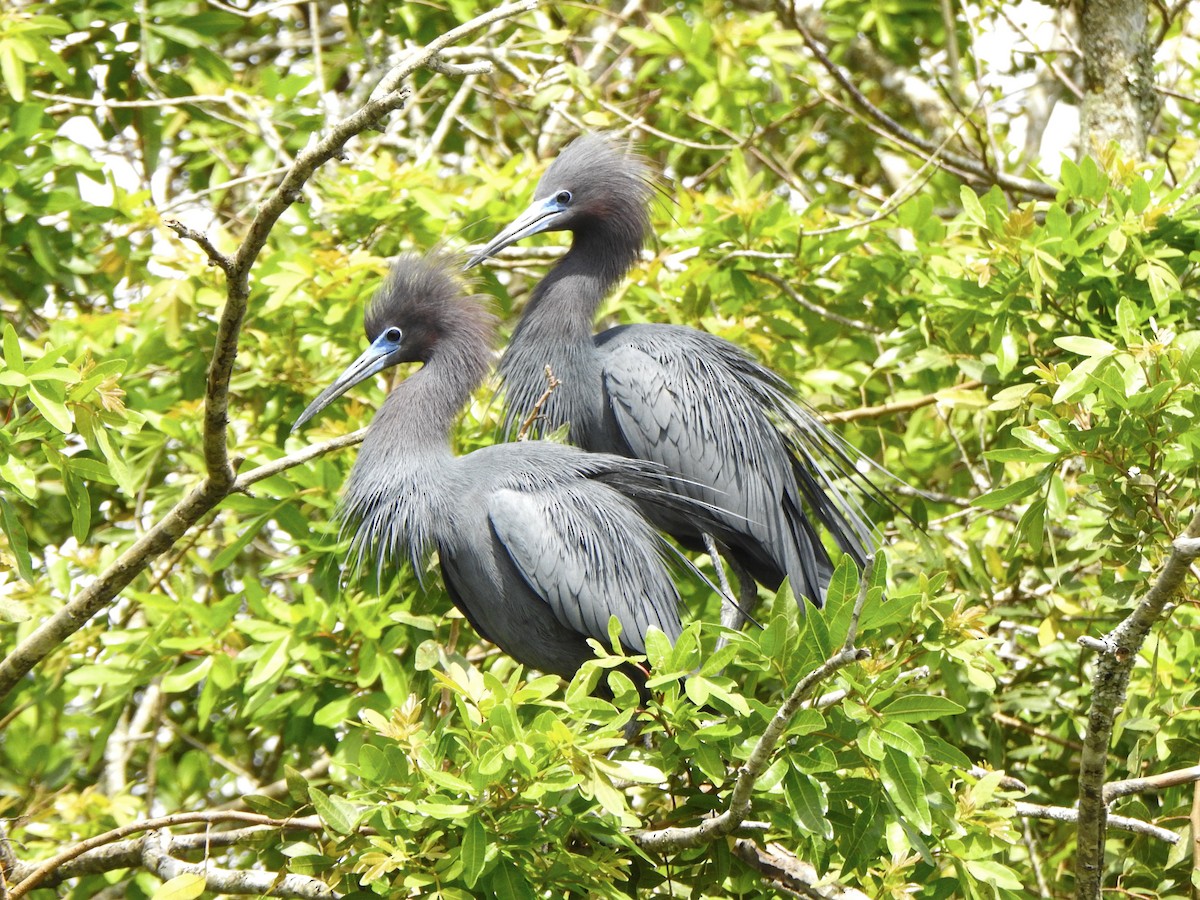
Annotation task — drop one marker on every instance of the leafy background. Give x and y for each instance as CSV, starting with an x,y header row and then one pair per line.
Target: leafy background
x,y
1023,361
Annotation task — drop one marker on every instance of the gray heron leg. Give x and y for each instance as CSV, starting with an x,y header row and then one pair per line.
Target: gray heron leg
x,y
734,613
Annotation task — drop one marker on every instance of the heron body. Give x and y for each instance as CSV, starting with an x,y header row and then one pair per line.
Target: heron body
x,y
731,430
538,543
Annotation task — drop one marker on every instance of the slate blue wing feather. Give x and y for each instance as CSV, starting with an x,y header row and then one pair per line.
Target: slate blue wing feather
x,y
670,392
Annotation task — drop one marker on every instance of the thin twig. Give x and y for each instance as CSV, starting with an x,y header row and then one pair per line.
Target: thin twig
x,y
1035,859
899,406
812,307
215,256
965,164
297,458
552,384
234,102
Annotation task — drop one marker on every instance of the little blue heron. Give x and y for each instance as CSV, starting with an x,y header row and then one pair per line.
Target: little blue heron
x,y
539,543
730,429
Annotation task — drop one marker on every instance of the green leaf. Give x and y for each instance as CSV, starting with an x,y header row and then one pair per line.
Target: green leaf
x,y
943,752
231,552
866,832
808,804
52,409
339,814
12,349
920,708
187,675
902,777
473,851
272,662
994,874
843,587
1085,346
80,500
182,887
18,541
903,737
972,208
1002,497
1078,382
267,806
509,884
12,70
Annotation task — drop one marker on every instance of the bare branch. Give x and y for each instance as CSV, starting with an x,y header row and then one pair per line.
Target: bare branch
x,y
215,256
1194,819
231,100
438,64
297,458
8,861
1117,652
970,166
812,307
552,383
127,854
230,881
43,869
1115,789
1069,814
785,870
900,406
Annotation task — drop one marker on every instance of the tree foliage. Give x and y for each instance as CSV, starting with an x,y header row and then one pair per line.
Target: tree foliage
x,y
1012,334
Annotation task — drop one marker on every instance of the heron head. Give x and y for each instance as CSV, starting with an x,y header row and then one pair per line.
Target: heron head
x,y
385,351
421,301
595,183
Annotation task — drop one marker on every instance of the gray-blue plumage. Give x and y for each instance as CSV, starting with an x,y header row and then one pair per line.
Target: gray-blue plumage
x,y
539,543
728,427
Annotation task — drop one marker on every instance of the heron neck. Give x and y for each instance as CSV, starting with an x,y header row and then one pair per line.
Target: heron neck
x,y
418,415
570,295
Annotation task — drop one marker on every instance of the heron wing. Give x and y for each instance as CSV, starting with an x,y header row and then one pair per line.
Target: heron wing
x,y
677,400
584,551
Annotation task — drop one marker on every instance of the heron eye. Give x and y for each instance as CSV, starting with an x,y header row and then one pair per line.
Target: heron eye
x,y
563,198
393,335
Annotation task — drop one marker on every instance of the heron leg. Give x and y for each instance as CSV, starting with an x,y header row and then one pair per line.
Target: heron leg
x,y
733,612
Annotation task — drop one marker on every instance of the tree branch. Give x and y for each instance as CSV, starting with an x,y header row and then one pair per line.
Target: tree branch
x,y
812,307
1118,76
297,458
127,854
1118,651
785,870
215,256
665,840
43,869
230,881
964,164
1069,814
221,479
1115,789
900,406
